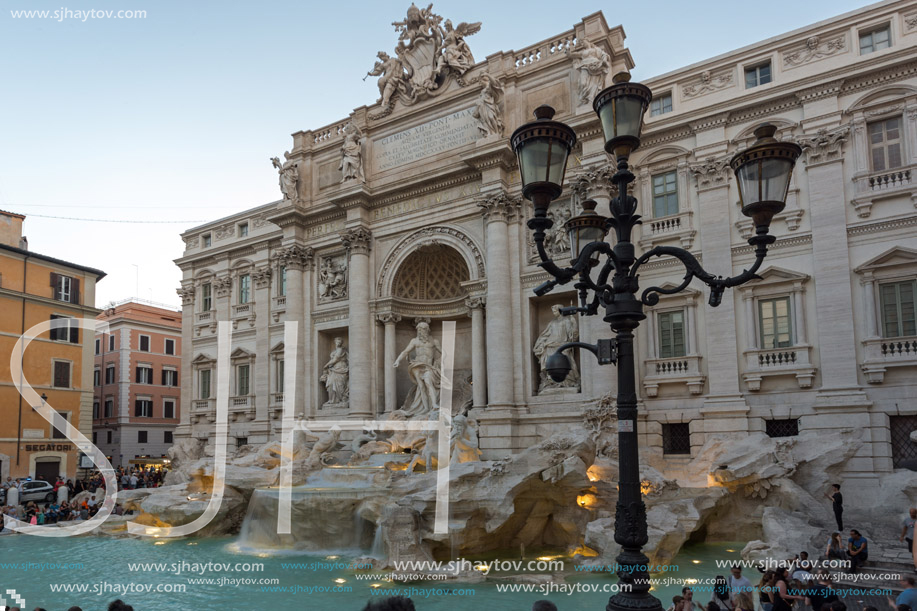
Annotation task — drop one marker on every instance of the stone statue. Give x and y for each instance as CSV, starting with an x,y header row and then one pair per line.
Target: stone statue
x,y
456,53
488,109
428,454
326,443
464,440
559,331
352,154
332,279
424,372
289,176
593,65
556,239
401,439
336,374
391,73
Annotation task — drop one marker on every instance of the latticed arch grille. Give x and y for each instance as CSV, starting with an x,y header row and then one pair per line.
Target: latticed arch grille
x,y
902,447
431,273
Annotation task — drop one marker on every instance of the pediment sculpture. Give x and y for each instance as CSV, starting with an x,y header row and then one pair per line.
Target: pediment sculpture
x,y
426,57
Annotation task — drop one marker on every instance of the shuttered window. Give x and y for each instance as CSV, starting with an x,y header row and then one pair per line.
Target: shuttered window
x,y
143,408
61,374
65,288
672,334
774,322
898,309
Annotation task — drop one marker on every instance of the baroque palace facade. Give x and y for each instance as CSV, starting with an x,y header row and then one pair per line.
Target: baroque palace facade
x,y
409,210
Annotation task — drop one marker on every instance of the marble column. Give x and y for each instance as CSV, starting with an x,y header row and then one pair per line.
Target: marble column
x,y
831,262
497,208
188,383
478,356
751,322
389,320
798,305
869,298
358,242
261,378
297,259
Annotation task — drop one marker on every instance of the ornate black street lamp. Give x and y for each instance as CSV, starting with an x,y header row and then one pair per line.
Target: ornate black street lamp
x,y
763,174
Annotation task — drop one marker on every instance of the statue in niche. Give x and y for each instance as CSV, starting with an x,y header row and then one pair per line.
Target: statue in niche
x,y
289,176
556,239
559,331
391,71
464,440
336,375
352,154
456,52
488,110
593,65
424,373
332,279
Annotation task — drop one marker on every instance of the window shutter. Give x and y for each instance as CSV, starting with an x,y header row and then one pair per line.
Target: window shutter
x,y
139,373
176,377
54,333
74,335
138,410
55,286
163,377
75,290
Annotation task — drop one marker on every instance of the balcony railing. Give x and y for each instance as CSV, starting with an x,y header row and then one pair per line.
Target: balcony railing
x,y
869,188
794,360
881,353
242,310
202,405
675,227
204,317
678,370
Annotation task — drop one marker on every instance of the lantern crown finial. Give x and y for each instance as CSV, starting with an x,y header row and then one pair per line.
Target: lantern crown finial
x,y
621,77
544,112
765,132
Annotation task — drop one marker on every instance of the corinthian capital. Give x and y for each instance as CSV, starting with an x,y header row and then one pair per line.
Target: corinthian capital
x,y
186,292
824,145
711,172
388,317
499,206
357,240
593,182
295,257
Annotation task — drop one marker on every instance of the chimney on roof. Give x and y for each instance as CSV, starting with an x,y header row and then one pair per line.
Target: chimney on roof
x,y
11,229
24,243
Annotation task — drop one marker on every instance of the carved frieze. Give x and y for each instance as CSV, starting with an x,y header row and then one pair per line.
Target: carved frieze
x,y
814,49
708,82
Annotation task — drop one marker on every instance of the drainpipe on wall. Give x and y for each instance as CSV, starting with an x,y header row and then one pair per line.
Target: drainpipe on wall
x,y
25,272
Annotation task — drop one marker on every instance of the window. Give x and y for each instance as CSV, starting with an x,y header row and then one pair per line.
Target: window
x,y
242,380
168,408
95,410
243,230
757,75
875,40
676,438
241,441
665,194
903,448
66,330
169,347
169,377
144,374
109,409
110,374
885,144
141,436
167,436
204,384
95,438
672,334
61,374
97,377
782,428
279,376
283,280
111,343
245,286
774,323
661,104
206,301
143,408
144,343
98,346
207,240
108,437
65,288
898,309
57,433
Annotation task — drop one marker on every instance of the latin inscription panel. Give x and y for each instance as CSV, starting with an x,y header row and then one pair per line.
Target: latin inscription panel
x,y
425,140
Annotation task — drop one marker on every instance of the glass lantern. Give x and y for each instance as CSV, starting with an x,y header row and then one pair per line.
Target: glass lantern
x,y
620,109
542,147
763,173
585,228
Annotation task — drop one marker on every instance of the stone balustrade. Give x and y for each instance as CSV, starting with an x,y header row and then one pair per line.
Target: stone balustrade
x,y
677,226
881,353
677,370
794,360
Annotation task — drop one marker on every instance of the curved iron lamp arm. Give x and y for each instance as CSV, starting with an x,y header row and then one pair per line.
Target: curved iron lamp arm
x,y
605,350
694,269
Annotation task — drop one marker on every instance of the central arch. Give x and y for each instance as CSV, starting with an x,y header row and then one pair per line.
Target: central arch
x,y
432,272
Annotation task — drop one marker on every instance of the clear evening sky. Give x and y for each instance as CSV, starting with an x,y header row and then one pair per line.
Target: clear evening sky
x,y
173,117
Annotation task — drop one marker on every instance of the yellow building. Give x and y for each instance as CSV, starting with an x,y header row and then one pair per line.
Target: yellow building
x,y
36,288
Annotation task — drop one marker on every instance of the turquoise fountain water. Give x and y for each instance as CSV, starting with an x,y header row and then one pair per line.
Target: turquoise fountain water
x,y
104,566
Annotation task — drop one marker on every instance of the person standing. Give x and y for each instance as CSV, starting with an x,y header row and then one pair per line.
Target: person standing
x,y
738,584
837,502
907,529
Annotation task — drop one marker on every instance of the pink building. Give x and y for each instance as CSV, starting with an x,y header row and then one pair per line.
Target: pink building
x,y
137,389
